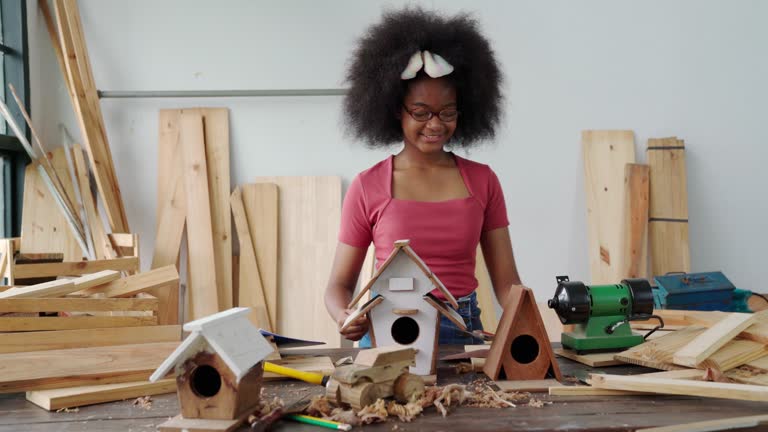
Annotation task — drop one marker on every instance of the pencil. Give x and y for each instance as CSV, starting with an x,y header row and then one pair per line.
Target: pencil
x,y
319,422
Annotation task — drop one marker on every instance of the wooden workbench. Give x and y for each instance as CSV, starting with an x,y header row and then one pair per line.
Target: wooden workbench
x,y
572,413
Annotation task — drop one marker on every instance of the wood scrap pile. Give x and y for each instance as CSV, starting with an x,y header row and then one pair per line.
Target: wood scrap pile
x,y
718,354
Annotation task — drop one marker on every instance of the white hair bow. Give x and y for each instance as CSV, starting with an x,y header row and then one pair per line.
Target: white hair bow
x,y
434,65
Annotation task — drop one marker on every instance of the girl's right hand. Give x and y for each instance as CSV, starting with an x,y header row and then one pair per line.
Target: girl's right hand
x,y
357,328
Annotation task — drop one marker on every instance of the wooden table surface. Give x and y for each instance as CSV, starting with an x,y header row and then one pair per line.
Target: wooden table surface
x,y
565,413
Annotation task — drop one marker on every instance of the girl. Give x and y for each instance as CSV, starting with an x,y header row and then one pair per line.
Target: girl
x,y
427,82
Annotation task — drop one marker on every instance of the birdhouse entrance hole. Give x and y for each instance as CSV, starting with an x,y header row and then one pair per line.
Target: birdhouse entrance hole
x,y
205,381
405,330
524,349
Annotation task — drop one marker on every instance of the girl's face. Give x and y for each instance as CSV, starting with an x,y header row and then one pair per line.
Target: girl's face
x,y
425,96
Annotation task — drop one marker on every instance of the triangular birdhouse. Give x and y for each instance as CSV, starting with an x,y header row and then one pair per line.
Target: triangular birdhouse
x,y
521,348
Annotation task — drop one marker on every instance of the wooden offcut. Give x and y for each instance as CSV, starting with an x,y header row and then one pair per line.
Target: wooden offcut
x,y
202,292
310,216
88,110
705,344
163,278
592,360
57,399
635,223
668,207
82,366
250,288
84,338
606,152
681,387
261,206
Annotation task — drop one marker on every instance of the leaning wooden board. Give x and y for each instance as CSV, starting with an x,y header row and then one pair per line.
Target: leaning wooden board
x,y
310,214
606,152
81,366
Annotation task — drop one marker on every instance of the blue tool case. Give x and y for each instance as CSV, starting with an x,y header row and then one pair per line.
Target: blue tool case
x,y
707,291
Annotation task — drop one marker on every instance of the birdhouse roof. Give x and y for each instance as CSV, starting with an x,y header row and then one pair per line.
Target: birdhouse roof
x,y
229,334
401,246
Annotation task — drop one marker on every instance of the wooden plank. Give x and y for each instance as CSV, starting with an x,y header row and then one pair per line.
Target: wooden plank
x,y
54,288
171,209
734,354
25,324
250,288
712,339
44,227
668,207
635,222
102,246
216,121
75,268
606,152
95,279
310,214
84,338
262,211
202,294
82,366
535,386
713,425
57,399
580,390
163,278
76,304
88,111
657,353
485,294
681,387
592,360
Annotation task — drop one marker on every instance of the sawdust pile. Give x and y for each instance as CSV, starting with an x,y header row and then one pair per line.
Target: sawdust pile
x,y
476,394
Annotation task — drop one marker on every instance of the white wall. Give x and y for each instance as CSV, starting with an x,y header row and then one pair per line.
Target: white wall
x,y
692,68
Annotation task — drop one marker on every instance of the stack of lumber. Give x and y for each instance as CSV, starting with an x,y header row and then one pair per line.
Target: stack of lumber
x,y
716,354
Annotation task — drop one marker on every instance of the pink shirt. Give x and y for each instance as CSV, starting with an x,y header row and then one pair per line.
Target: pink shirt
x,y
445,234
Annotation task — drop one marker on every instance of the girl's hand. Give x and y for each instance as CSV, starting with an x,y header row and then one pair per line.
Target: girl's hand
x,y
357,328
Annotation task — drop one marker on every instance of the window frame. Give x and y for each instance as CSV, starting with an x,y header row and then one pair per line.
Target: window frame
x,y
16,71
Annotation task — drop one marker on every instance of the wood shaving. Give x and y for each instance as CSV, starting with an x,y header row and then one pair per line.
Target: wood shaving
x,y
68,410
463,368
373,413
343,361
538,403
344,416
320,406
451,393
406,413
716,375
143,402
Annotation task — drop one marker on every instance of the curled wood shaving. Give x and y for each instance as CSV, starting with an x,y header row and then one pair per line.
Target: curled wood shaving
x,y
451,393
716,375
143,402
407,412
319,406
373,413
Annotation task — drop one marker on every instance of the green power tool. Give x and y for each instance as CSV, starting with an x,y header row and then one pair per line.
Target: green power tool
x,y
601,313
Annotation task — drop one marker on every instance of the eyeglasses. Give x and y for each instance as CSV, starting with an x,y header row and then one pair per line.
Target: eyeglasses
x,y
421,115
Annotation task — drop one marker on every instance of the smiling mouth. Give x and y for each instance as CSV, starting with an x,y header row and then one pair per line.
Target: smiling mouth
x,y
432,138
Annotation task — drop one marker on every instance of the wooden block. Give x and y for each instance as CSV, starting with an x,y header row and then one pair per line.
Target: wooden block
x,y
250,288
681,387
705,344
635,223
384,356
521,349
592,360
82,366
261,206
57,399
88,111
75,268
310,215
605,153
202,294
713,425
66,339
56,288
535,386
153,280
181,424
171,209
668,207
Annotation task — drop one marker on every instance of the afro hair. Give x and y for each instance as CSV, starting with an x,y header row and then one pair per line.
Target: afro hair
x,y
376,92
